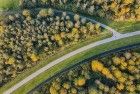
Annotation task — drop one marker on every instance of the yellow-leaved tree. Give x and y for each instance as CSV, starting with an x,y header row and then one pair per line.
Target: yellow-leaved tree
x,y
53,90
80,81
113,5
1,29
137,11
34,57
74,31
58,39
97,66
11,60
26,13
128,1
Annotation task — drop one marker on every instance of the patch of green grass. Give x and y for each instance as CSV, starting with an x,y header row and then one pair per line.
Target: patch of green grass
x,y
120,26
75,59
9,4
60,53
127,26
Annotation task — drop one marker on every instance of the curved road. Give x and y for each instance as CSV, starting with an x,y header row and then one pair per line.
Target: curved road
x,y
115,36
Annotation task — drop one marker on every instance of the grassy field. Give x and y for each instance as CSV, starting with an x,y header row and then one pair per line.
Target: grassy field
x,y
121,26
77,58
47,60
8,4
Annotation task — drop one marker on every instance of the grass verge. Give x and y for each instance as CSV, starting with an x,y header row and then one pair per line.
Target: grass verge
x,y
60,53
77,58
120,26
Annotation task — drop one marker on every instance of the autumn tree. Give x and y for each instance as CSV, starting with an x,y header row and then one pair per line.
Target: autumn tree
x,y
26,13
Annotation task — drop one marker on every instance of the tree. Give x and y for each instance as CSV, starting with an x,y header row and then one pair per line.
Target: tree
x,y
43,12
137,11
14,73
34,57
91,10
63,91
83,20
76,17
127,55
21,2
20,67
65,1
138,2
113,5
84,30
99,1
91,28
28,18
93,90
50,12
74,31
1,29
69,24
116,60
52,1
77,24
53,90
97,65
84,6
44,1
128,1
73,90
56,84
11,18
46,12
11,60
1,79
97,28
58,38
26,13
66,85
80,81
117,73
63,35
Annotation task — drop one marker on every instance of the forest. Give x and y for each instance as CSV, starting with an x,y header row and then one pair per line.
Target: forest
x,y
117,73
24,36
118,10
